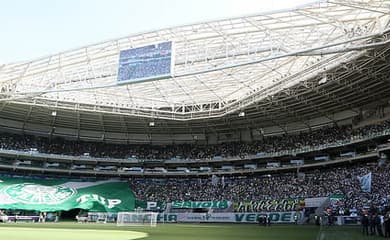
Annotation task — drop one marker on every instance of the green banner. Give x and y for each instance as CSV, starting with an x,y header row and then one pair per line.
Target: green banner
x,y
281,205
337,196
203,204
150,205
55,195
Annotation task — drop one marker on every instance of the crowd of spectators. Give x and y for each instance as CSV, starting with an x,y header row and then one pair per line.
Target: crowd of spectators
x,y
269,144
315,183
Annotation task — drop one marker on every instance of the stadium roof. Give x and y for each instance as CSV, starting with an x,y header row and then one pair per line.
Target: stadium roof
x,y
292,65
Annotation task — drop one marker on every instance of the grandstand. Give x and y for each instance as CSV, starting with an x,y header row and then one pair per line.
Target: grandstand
x,y
282,116
314,65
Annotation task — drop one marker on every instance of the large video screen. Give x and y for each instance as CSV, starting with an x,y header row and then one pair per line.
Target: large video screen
x,y
145,63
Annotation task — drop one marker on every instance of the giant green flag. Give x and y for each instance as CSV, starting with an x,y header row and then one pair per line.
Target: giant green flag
x,y
56,195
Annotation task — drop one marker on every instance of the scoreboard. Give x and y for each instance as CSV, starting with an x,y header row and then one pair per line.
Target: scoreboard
x,y
146,63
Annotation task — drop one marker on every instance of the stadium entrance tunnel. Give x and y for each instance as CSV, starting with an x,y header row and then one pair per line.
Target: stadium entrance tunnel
x,y
71,214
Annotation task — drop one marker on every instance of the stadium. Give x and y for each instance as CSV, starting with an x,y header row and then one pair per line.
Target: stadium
x,y
269,126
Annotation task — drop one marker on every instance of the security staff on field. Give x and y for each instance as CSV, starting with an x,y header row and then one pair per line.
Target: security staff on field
x,y
365,224
296,217
387,224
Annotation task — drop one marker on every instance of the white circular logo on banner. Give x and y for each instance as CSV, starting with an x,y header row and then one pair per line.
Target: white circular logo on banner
x,y
31,193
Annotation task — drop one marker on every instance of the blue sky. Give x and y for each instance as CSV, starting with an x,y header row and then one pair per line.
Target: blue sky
x,y
35,28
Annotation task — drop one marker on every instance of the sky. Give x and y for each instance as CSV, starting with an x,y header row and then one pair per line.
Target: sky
x,y
35,28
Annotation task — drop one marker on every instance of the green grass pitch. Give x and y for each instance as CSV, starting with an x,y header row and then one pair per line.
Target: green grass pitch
x,y
91,231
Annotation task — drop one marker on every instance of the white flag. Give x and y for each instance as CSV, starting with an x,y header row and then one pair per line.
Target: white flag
x,y
365,182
